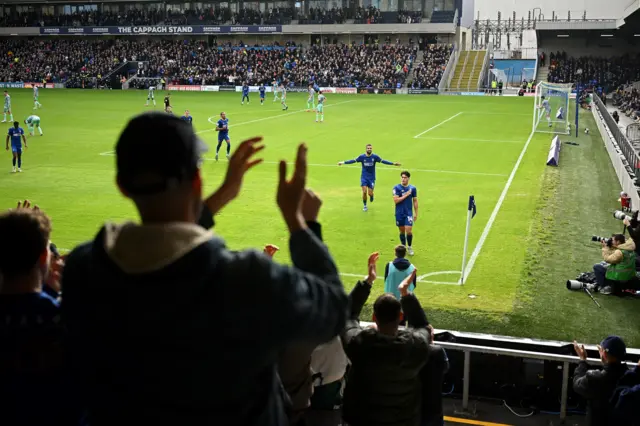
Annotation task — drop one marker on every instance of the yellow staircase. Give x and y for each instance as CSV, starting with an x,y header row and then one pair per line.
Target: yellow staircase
x,y
468,69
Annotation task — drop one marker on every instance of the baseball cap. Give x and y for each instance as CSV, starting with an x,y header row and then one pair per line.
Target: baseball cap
x,y
615,346
156,152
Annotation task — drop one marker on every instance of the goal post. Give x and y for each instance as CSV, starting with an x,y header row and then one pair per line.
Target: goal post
x,y
551,108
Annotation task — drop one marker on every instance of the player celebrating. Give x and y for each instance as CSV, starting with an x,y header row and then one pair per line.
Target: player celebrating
x,y
406,198
263,91
7,107
320,109
283,96
274,87
223,133
545,108
368,175
245,93
16,134
167,103
151,96
187,117
36,104
31,122
310,101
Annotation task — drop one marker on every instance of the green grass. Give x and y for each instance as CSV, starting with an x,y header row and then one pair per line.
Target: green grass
x,y
538,240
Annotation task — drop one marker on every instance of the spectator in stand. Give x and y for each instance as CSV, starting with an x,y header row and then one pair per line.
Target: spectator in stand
x,y
428,73
432,377
34,388
193,334
592,72
397,271
597,385
383,383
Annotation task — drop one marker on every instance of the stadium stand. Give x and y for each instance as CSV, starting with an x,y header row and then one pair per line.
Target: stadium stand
x,y
609,73
428,73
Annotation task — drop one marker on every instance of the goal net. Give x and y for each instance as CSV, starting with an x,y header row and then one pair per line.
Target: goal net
x,y
551,108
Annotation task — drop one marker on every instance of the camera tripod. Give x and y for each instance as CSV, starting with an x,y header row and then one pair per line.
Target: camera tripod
x,y
586,290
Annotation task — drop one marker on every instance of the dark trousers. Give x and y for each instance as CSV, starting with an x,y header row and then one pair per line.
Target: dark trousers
x,y
600,270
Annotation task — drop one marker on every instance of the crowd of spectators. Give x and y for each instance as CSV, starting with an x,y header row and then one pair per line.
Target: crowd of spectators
x,y
592,72
77,62
428,73
409,17
628,102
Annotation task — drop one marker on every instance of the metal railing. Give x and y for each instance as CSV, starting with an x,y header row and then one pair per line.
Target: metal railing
x,y
464,66
484,71
626,148
446,75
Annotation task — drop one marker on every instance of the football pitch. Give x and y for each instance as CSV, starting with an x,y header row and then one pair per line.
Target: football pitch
x,y
453,146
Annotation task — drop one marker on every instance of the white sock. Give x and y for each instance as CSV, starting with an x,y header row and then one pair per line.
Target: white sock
x,y
40,130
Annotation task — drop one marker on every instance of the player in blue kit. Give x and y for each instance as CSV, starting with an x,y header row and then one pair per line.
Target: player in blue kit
x,y
263,91
368,176
406,198
245,93
16,135
187,117
223,133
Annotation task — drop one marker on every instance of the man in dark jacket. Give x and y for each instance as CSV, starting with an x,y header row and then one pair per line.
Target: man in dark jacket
x,y
167,326
432,376
383,384
597,385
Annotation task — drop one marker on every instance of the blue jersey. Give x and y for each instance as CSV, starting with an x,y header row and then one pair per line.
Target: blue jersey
x,y
188,119
404,208
245,90
223,124
369,165
16,136
262,91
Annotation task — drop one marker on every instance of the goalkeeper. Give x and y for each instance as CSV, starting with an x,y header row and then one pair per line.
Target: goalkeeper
x,y
545,108
33,121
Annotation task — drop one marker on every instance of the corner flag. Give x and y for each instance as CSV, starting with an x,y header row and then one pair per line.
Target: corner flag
x,y
472,206
471,212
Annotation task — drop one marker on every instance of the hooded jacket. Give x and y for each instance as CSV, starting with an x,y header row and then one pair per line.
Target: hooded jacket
x,y
167,326
597,386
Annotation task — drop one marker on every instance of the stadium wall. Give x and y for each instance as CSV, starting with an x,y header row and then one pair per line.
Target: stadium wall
x,y
583,46
596,9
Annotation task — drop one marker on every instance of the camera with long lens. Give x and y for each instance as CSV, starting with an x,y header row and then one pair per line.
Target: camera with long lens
x,y
607,241
575,285
620,215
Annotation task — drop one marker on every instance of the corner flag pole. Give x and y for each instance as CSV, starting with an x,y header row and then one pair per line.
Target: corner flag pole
x,y
471,212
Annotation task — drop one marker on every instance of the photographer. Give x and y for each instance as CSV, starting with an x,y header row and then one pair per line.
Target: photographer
x,y
619,263
633,227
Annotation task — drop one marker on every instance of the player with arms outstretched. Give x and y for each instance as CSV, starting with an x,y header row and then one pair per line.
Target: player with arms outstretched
x,y
151,95
167,103
263,92
33,121
36,91
7,107
310,101
283,96
545,108
368,175
223,133
187,117
405,197
320,108
16,134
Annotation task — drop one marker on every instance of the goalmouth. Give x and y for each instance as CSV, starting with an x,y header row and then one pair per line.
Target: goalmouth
x,y
551,108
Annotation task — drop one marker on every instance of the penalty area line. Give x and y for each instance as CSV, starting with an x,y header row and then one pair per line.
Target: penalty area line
x,y
494,213
438,125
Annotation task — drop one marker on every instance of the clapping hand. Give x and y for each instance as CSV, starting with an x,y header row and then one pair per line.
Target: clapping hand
x,y
292,192
26,204
270,250
580,351
372,268
242,160
404,285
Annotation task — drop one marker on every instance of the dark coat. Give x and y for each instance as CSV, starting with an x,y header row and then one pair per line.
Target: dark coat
x,y
597,387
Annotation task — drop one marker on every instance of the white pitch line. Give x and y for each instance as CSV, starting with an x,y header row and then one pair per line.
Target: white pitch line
x,y
452,172
470,140
494,213
267,118
438,125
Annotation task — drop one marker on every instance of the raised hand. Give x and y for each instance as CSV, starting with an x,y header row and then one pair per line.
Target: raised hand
x,y
580,351
311,204
404,285
292,192
372,268
270,250
26,204
242,160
